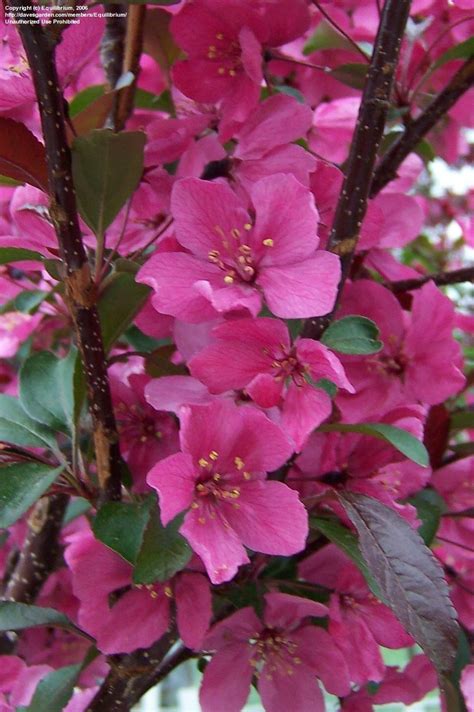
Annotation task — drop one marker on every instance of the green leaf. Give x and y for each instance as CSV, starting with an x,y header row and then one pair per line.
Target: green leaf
x,y
410,578
121,526
54,691
119,303
352,335
343,538
85,98
429,508
326,37
327,386
107,168
400,439
462,419
46,389
21,484
9,182
163,553
463,450
464,50
159,363
17,254
155,102
28,301
18,616
76,508
352,74
18,428
294,327
290,91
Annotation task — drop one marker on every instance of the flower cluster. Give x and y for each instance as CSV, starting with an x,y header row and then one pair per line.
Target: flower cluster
x,y
270,472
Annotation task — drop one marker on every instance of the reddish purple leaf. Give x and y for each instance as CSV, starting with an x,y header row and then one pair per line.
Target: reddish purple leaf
x,y
22,156
410,578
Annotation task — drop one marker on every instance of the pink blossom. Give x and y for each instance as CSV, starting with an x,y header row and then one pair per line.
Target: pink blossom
x,y
15,328
333,125
18,682
123,616
358,622
467,687
407,686
361,463
224,41
282,649
257,355
146,435
420,359
219,478
265,142
232,261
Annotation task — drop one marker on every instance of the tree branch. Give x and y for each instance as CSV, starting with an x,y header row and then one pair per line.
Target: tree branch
x,y
352,203
130,677
112,45
465,274
39,554
418,128
80,292
131,63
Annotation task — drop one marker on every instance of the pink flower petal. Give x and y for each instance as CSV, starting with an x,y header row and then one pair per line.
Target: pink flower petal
x,y
282,201
278,121
281,692
304,408
215,543
302,289
173,478
227,678
193,606
270,518
174,276
205,214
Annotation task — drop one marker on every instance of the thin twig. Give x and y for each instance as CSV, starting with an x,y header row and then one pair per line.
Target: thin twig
x,y
456,276
418,128
80,291
352,203
340,30
131,63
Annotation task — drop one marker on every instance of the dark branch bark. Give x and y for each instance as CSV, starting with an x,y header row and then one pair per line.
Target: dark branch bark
x,y
352,204
80,291
39,554
130,677
112,45
456,276
417,129
131,63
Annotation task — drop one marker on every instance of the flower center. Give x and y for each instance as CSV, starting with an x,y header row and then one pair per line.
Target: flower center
x,y
288,366
236,258
213,487
226,53
276,651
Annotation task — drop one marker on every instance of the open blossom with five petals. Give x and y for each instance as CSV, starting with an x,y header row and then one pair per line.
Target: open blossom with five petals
x,y
219,478
224,41
420,360
123,616
232,260
257,355
358,622
282,649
